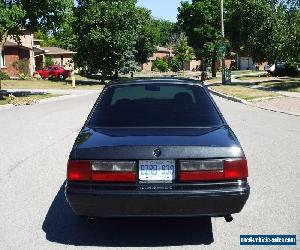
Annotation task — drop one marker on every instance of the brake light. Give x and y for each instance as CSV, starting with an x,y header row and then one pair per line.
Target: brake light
x,y
201,175
114,176
212,170
235,169
79,170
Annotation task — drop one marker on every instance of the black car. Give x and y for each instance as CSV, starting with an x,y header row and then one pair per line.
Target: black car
x,y
156,148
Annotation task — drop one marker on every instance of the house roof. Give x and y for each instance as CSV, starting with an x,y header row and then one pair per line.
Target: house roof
x,y
14,44
38,50
163,49
57,51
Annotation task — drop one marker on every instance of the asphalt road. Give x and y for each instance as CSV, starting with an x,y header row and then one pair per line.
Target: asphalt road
x,y
34,145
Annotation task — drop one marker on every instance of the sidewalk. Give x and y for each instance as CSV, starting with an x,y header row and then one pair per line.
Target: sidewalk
x,y
288,102
290,105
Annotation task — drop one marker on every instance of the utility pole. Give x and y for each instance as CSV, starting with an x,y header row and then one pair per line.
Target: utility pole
x,y
223,41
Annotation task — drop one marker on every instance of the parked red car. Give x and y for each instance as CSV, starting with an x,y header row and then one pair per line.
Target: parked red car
x,y
55,71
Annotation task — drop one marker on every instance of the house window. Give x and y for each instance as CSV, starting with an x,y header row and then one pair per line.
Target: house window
x,y
62,61
2,58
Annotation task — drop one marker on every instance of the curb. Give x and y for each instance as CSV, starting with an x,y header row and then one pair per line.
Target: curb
x,y
228,97
235,99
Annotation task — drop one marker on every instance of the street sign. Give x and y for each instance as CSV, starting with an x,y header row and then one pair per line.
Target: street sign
x,y
227,76
222,48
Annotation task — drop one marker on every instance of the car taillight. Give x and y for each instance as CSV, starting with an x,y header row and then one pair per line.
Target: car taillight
x,y
114,171
79,170
212,170
235,169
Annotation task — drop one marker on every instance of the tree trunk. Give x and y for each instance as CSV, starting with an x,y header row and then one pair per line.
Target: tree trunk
x,y
213,67
103,77
2,41
1,49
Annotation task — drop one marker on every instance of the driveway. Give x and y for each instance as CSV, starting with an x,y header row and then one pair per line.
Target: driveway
x,y
34,145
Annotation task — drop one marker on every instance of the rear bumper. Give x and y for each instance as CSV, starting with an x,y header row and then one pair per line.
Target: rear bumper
x,y
193,200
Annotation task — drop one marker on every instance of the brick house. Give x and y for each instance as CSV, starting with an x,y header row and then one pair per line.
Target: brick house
x,y
29,48
61,56
161,53
13,52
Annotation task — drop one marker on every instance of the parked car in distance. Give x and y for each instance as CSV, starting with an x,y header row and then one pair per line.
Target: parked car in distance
x,y
156,148
283,69
124,70
56,71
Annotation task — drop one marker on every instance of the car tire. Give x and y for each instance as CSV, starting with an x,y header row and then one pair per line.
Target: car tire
x,y
61,77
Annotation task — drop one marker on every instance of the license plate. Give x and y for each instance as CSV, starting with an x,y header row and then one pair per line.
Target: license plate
x,y
157,170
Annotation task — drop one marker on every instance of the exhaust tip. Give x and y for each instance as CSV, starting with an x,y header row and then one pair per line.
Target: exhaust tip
x,y
228,218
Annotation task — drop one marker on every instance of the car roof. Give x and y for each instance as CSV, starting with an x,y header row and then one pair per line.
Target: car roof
x,y
157,80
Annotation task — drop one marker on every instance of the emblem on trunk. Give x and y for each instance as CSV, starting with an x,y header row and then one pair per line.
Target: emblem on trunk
x,y
157,152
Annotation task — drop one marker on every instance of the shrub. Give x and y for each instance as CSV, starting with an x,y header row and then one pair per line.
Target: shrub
x,y
48,61
3,75
175,65
22,66
37,76
159,65
23,76
52,78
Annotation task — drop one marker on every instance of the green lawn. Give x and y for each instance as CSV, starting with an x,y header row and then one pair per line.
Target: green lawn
x,y
244,92
254,78
81,83
242,72
23,98
285,84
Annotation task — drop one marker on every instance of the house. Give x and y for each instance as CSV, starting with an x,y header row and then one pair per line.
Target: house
x,y
247,62
30,49
192,65
12,52
61,56
160,53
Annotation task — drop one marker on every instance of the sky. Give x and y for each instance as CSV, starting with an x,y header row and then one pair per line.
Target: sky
x,y
164,9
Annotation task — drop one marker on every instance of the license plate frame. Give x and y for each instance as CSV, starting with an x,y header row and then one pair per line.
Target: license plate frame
x,y
157,170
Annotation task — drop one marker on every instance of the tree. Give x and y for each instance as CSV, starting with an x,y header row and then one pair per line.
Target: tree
x,y
175,65
292,45
160,65
47,39
200,20
65,35
165,32
183,52
34,14
48,61
108,34
268,30
145,36
22,14
257,28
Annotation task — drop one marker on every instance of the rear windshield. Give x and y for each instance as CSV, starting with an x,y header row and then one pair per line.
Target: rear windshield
x,y
155,105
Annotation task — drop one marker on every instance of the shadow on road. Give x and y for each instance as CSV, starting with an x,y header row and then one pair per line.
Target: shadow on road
x,y
4,93
62,226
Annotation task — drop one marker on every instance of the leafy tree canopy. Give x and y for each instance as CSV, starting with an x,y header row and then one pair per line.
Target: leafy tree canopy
x,y
166,32
200,20
112,32
145,36
183,52
266,30
18,14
